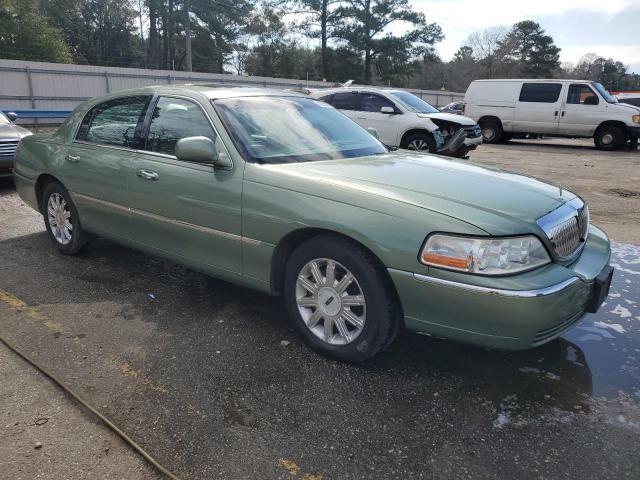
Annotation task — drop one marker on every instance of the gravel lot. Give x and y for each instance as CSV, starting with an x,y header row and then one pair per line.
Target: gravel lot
x,y
211,379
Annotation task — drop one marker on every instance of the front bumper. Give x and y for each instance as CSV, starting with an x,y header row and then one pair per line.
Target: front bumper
x,y
633,132
6,165
513,313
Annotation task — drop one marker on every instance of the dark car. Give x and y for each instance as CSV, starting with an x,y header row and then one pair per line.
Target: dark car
x,y
10,136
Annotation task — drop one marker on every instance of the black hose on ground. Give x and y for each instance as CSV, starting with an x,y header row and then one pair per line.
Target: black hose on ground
x,y
86,405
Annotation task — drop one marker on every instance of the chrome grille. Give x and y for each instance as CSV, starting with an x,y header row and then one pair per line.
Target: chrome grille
x,y
473,131
567,228
8,148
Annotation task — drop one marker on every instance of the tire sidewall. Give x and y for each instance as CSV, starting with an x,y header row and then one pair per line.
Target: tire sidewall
x,y
373,289
617,140
77,236
497,132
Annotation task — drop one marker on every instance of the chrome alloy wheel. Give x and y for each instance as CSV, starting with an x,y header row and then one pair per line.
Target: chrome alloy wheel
x,y
59,218
488,133
330,301
418,145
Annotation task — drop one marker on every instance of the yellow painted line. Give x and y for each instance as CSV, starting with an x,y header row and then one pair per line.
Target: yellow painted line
x,y
293,469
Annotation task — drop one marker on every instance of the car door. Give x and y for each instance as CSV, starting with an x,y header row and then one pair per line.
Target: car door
x,y
190,211
369,115
97,163
538,108
582,111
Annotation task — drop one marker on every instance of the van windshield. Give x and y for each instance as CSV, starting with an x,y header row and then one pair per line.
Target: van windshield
x,y
603,93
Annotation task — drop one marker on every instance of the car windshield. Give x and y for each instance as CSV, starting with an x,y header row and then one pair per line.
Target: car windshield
x,y
603,92
3,120
413,103
292,129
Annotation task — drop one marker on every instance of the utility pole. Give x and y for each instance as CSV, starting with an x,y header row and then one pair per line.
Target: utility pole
x,y
188,35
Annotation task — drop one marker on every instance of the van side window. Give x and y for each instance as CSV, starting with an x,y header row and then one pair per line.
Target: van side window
x,y
540,92
581,95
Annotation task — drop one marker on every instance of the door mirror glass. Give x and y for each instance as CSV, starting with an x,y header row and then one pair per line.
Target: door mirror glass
x,y
12,116
201,149
388,110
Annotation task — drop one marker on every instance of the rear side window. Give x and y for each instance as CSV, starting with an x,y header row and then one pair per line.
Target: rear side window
x,y
345,101
114,122
540,92
173,119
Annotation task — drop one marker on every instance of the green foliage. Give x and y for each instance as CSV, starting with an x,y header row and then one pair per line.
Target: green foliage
x,y
27,35
535,52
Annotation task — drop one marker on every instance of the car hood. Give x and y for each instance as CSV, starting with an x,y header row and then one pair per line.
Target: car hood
x,y
449,117
14,132
498,202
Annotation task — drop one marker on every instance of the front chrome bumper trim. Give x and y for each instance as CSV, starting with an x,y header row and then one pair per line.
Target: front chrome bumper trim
x,y
539,292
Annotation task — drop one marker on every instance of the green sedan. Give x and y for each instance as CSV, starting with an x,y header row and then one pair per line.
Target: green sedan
x,y
281,193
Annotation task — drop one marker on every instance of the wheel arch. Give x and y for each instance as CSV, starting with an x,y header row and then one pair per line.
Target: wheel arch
x,y
293,239
413,131
41,183
490,118
612,123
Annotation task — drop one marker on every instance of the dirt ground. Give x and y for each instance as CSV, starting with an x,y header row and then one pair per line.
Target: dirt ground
x,y
608,181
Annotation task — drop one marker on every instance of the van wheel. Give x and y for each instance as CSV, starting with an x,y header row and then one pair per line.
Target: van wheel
x,y
61,219
340,299
420,142
491,132
609,137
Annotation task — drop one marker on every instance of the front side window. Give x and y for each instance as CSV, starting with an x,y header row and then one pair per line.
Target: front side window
x,y
114,122
173,119
580,94
370,102
540,92
293,129
345,101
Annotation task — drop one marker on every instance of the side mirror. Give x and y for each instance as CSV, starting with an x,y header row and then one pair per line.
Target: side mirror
x,y
12,116
389,110
373,132
201,150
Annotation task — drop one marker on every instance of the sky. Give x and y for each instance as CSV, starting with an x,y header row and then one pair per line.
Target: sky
x,y
609,28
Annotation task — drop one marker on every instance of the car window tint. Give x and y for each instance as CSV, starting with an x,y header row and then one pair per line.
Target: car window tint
x,y
540,92
345,101
326,98
114,122
173,119
581,95
370,102
631,101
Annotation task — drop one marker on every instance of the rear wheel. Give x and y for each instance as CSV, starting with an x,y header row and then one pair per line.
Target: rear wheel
x,y
609,137
420,142
61,219
340,299
491,131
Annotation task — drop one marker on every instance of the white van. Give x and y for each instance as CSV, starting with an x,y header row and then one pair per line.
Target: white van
x,y
563,108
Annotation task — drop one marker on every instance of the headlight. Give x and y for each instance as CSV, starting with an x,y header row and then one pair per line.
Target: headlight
x,y
484,256
635,118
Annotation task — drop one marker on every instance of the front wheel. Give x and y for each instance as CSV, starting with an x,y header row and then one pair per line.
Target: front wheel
x,y
420,142
62,220
609,138
340,299
491,132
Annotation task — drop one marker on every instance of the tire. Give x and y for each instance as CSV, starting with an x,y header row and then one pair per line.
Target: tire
x,y
56,205
420,142
609,138
491,131
372,319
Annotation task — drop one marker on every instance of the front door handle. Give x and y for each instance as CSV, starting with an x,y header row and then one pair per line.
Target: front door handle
x,y
72,158
555,114
147,174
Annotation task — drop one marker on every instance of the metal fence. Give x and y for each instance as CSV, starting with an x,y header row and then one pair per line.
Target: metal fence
x,y
54,86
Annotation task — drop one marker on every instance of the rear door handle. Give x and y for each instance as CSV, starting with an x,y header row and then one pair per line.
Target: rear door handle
x,y
147,174
73,158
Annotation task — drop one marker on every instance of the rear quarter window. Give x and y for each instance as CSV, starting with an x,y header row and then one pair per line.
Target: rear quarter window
x,y
540,92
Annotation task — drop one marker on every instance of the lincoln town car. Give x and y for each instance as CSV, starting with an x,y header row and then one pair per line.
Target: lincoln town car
x,y
282,193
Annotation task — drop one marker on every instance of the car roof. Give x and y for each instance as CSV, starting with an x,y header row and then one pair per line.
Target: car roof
x,y
531,80
212,91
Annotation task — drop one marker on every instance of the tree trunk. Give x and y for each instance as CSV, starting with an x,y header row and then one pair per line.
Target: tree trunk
x,y
323,39
187,24
367,43
152,53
